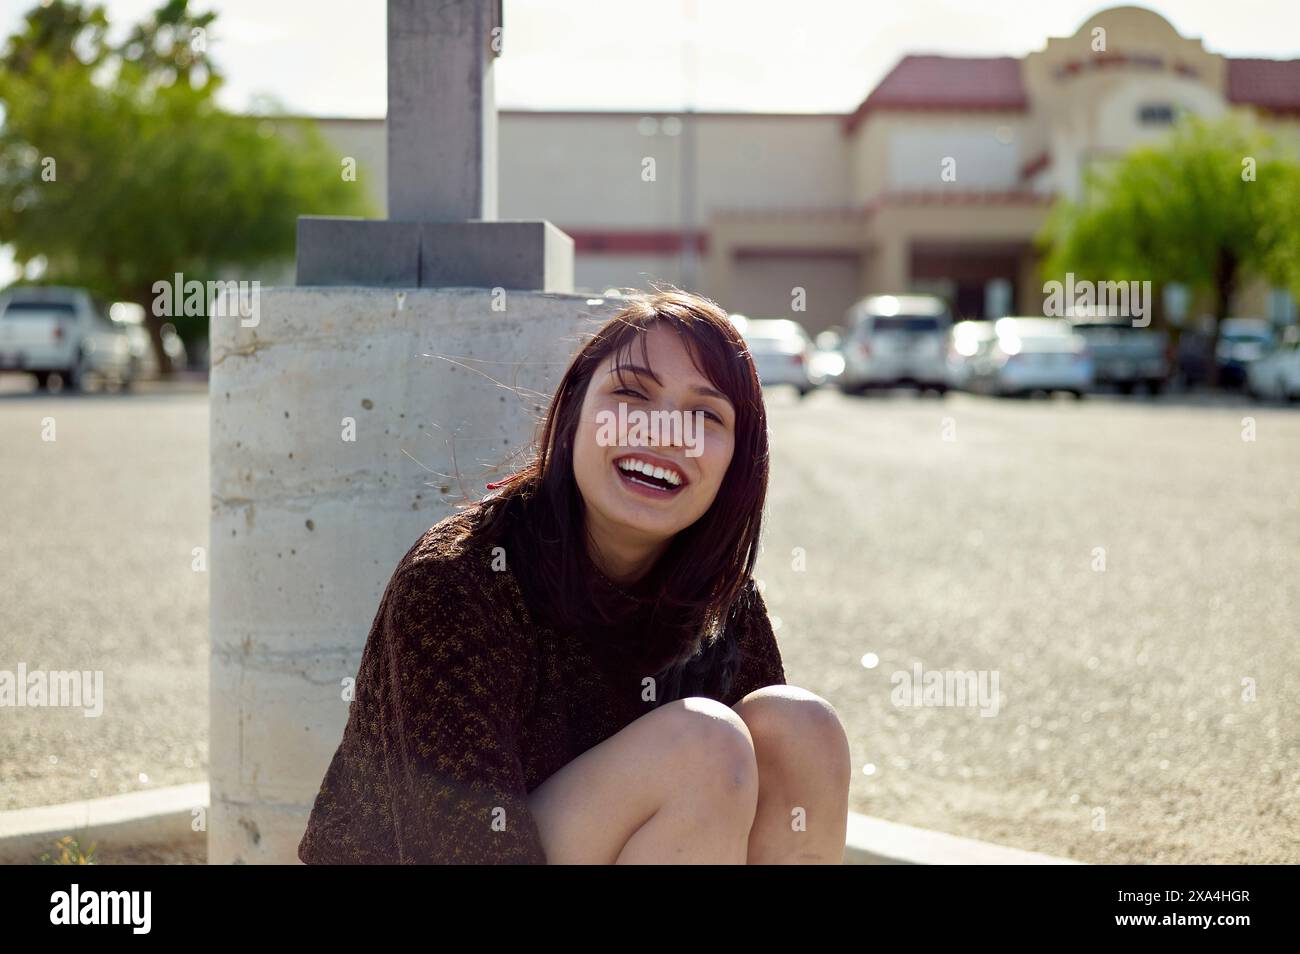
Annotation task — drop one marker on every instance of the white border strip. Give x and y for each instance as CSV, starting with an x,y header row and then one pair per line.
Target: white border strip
x,y
874,841
164,816
158,816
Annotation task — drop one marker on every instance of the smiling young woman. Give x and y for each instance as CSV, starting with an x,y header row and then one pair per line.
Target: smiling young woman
x,y
579,668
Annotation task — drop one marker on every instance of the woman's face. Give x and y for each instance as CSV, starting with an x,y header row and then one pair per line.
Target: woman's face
x,y
649,455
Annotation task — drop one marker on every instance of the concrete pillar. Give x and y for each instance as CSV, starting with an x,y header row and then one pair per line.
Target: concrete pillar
x,y
442,227
308,525
334,421
442,115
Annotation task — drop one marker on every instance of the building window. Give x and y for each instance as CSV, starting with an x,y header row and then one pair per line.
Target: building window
x,y
1157,114
997,298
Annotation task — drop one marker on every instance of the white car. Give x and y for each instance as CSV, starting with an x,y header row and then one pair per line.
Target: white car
x,y
828,356
1034,354
1276,376
968,344
897,340
50,330
782,352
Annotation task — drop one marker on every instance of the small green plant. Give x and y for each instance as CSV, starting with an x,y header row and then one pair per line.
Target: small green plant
x,y
69,852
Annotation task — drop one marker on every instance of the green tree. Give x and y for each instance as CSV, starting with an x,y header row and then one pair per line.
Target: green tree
x,y
119,169
1211,207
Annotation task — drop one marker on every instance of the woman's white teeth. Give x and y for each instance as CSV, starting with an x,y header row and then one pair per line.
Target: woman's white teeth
x,y
650,470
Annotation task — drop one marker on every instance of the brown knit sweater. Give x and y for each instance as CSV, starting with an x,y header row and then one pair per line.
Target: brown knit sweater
x,y
463,705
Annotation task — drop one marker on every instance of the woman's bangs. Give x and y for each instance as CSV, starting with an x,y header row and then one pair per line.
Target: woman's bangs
x,y
716,358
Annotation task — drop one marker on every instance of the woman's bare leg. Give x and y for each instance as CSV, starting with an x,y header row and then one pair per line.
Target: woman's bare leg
x,y
677,786
804,769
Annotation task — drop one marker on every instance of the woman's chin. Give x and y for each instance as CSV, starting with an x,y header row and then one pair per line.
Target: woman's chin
x,y
652,526
645,520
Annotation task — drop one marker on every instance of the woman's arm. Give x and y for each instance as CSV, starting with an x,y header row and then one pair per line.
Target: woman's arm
x,y
449,694
429,753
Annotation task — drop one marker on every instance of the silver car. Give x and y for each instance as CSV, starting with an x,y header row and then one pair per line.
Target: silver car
x,y
968,346
897,340
782,352
1123,356
1034,354
1276,376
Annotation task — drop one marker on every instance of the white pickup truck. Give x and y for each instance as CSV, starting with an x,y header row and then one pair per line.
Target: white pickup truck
x,y
52,330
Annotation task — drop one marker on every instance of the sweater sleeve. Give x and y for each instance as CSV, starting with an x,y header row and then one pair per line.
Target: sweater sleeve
x,y
760,657
448,685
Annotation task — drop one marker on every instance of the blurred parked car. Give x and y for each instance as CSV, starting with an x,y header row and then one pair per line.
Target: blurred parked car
x,y
1190,366
782,352
897,340
828,358
1242,341
49,330
968,345
1276,376
1124,356
1034,354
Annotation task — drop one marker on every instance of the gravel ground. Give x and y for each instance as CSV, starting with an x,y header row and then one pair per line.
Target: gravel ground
x,y
1121,733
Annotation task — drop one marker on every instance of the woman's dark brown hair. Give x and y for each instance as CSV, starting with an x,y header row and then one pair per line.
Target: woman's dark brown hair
x,y
677,621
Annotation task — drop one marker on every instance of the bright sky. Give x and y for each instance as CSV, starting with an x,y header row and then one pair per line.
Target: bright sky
x,y
326,57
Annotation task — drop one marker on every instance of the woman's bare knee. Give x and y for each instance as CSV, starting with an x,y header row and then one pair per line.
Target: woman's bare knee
x,y
711,752
689,764
710,798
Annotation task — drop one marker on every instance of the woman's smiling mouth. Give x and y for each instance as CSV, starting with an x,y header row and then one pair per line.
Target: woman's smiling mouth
x,y
650,476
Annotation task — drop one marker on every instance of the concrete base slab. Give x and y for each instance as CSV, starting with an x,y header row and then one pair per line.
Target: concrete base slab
x,y
874,841
167,816
514,254
160,816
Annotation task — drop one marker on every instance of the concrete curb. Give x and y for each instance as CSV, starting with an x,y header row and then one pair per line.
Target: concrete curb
x,y
160,816
874,841
164,816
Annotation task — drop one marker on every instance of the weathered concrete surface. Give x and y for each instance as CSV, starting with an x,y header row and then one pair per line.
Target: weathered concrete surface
x,y
515,254
442,172
442,114
308,525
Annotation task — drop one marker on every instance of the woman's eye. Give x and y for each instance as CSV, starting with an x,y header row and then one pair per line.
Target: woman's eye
x,y
712,415
629,391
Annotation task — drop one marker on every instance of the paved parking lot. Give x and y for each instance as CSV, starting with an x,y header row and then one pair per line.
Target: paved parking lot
x,y
98,530
1128,570
1122,734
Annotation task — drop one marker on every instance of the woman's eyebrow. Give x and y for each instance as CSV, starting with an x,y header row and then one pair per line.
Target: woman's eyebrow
x,y
640,371
710,392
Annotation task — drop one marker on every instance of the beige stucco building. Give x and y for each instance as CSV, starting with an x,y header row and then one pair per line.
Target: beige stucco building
x,y
938,181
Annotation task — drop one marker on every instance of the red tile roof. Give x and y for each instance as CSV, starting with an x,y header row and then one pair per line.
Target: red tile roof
x,y
947,82
1268,84
969,83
